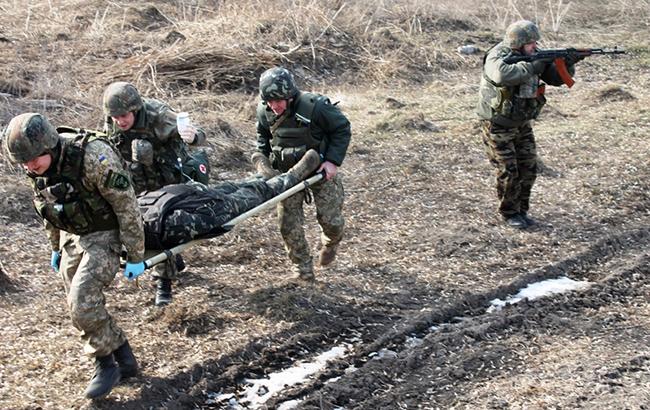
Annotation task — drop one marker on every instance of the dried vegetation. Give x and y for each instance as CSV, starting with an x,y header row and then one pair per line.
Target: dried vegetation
x,y
424,247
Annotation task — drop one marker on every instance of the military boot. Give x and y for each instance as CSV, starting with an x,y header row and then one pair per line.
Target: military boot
x,y
304,273
180,263
163,292
126,360
515,221
529,221
107,375
327,255
306,166
303,168
263,166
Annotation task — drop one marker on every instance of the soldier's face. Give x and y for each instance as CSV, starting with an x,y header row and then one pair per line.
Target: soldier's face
x,y
530,48
124,122
278,106
38,165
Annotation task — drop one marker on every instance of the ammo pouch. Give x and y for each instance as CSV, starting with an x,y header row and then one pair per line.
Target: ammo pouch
x,y
168,168
284,158
76,217
197,167
143,177
507,104
527,108
60,192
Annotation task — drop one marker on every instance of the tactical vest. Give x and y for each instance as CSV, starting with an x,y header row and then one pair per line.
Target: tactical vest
x,y
510,105
155,205
291,132
63,200
165,169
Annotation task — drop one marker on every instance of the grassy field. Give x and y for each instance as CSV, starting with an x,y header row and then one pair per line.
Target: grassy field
x,y
424,247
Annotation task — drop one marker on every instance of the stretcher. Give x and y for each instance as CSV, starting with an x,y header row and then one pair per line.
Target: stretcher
x,y
169,253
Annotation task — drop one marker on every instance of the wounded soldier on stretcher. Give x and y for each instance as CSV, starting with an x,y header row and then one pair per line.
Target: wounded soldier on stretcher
x,y
179,213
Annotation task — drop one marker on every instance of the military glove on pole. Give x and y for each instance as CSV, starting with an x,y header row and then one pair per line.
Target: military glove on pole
x,y
133,270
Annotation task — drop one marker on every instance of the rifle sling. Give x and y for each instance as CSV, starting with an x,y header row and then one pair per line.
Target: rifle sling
x,y
279,122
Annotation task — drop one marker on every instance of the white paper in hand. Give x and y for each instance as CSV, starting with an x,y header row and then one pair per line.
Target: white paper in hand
x,y
182,122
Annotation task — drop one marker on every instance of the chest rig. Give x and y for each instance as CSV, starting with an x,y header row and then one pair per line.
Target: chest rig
x,y
518,103
165,169
63,200
291,132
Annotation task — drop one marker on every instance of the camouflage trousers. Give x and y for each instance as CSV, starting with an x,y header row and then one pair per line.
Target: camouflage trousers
x,y
221,204
512,152
166,270
207,210
328,198
88,266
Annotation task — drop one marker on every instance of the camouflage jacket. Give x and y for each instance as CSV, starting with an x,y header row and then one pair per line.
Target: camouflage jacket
x,y
325,124
102,190
511,94
155,123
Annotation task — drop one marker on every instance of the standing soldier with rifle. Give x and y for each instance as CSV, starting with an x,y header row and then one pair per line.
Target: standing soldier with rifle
x,y
511,96
145,132
289,123
87,202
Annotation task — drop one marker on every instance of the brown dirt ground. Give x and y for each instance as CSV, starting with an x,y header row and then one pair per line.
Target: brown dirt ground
x,y
423,248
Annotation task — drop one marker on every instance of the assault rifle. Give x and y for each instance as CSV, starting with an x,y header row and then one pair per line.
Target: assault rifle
x,y
560,55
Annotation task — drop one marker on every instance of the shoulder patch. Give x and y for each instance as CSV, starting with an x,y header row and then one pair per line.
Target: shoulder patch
x,y
102,159
118,181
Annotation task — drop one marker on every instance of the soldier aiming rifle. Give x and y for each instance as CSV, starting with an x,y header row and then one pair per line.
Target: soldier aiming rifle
x,y
559,56
511,96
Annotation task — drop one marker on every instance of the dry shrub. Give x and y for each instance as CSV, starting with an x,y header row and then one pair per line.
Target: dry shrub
x,y
191,320
407,122
367,40
613,93
61,55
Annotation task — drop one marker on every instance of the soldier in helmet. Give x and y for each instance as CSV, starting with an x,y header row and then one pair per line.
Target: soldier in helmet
x,y
86,200
289,123
145,132
510,97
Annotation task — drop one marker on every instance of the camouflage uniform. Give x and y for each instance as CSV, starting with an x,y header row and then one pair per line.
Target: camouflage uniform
x,y
155,123
310,121
177,214
152,147
89,209
510,97
328,198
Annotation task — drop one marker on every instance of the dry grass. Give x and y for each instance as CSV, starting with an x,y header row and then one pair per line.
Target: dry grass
x,y
171,49
420,197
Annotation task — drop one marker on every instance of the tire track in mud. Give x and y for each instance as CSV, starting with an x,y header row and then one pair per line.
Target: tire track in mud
x,y
458,322
356,389
456,357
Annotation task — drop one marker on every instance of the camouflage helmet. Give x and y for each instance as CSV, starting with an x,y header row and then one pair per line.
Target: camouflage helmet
x,y
121,98
521,32
277,83
28,136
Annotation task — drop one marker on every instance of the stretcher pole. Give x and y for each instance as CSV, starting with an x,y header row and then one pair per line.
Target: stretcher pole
x,y
161,257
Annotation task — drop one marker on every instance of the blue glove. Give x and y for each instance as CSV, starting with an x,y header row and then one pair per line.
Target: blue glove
x,y
55,261
133,270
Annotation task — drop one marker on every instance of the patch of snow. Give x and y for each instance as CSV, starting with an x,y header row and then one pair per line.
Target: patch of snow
x,y
540,289
262,389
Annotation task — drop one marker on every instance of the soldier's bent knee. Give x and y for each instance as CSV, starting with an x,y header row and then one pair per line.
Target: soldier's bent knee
x,y
87,317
